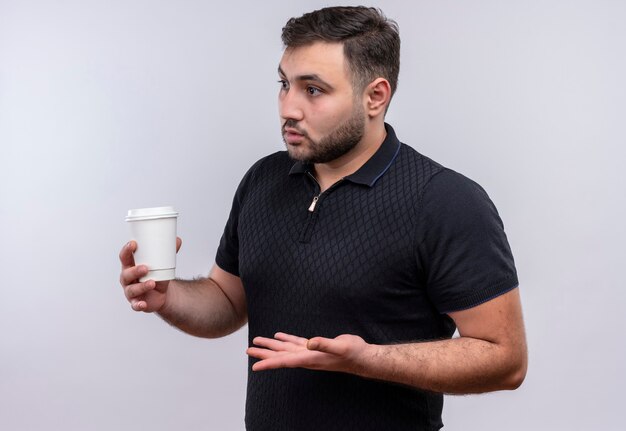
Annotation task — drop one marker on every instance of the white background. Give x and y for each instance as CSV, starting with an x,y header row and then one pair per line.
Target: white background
x,y
111,105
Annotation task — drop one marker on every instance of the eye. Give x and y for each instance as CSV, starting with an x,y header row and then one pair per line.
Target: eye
x,y
313,91
284,85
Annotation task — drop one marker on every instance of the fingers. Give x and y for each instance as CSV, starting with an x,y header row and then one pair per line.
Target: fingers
x,y
136,294
126,254
283,351
147,296
138,305
134,291
132,274
259,353
301,359
288,343
318,353
291,338
276,345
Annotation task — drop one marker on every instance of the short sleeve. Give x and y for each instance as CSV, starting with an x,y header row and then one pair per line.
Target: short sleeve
x,y
227,256
462,248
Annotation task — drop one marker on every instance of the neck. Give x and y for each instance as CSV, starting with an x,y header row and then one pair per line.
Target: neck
x,y
329,173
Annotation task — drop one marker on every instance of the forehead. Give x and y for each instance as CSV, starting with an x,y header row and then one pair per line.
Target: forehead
x,y
323,59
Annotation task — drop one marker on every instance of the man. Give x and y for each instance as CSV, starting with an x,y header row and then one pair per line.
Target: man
x,y
352,257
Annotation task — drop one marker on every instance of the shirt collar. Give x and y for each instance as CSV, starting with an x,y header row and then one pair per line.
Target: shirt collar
x,y
373,169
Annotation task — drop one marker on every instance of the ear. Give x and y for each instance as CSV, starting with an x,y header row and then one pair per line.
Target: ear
x,y
377,97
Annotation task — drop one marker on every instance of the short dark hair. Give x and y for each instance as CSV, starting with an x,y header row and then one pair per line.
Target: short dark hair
x,y
371,41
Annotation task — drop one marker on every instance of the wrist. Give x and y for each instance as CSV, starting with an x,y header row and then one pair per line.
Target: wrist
x,y
368,360
169,290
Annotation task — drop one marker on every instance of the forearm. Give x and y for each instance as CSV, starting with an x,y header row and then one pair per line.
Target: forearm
x,y
490,355
458,366
200,307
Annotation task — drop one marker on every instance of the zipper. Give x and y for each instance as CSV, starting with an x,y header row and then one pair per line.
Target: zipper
x,y
307,231
316,197
312,206
319,195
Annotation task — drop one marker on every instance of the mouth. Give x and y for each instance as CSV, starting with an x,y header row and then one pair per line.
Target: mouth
x,y
292,136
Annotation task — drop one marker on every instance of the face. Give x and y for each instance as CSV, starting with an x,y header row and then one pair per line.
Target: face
x,y
321,118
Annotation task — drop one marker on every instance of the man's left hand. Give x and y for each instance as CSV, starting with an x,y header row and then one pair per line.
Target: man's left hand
x,y
344,353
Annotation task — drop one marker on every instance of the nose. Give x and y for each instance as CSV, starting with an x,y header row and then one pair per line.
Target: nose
x,y
289,106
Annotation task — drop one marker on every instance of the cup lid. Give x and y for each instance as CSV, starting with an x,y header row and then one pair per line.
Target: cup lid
x,y
151,213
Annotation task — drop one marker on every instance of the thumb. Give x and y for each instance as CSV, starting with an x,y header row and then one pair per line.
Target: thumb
x,y
179,242
326,345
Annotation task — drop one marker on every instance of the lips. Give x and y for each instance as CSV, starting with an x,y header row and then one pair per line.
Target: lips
x,y
292,136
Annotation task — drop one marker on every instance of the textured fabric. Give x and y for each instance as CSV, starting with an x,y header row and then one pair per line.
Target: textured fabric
x,y
384,255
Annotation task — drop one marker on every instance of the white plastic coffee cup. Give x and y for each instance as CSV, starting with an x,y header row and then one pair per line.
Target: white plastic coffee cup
x,y
154,230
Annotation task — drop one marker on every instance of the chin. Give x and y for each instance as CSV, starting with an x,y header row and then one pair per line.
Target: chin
x,y
296,154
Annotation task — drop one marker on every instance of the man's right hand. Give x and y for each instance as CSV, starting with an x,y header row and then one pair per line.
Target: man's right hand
x,y
147,296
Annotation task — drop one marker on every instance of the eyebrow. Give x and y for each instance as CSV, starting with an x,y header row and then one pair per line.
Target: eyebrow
x,y
308,77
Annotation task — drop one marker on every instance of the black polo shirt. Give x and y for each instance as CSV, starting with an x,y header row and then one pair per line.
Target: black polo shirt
x,y
384,254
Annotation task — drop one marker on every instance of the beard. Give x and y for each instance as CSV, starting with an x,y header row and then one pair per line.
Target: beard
x,y
335,144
